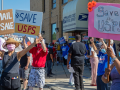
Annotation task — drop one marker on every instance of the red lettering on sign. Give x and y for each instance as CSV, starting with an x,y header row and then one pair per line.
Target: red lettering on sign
x,y
25,28
33,30
19,29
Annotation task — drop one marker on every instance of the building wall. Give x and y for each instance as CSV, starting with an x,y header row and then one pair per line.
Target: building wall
x,y
50,16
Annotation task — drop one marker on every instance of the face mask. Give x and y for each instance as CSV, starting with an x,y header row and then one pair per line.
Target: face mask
x,y
119,54
103,50
39,45
11,47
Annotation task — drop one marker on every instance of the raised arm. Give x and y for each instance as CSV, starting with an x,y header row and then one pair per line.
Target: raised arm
x,y
23,52
24,43
101,39
93,44
43,44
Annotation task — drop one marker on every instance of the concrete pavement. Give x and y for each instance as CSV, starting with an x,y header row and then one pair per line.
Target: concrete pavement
x,y
60,80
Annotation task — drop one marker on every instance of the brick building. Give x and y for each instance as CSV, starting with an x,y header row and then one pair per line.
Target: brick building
x,y
52,17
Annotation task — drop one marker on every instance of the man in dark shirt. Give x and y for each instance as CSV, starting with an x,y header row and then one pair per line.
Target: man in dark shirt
x,y
76,54
24,68
49,61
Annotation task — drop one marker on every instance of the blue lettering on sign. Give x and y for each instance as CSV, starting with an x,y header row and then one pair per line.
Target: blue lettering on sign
x,y
83,17
26,16
69,18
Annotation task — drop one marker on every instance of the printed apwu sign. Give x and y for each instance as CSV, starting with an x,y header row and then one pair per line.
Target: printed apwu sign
x,y
28,23
6,22
104,21
61,40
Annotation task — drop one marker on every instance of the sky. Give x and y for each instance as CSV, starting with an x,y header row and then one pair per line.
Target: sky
x,y
16,4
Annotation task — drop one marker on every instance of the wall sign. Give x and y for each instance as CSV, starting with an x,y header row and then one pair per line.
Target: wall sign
x,y
104,21
6,22
28,23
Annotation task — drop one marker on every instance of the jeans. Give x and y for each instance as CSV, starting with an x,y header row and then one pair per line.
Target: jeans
x,y
100,84
78,76
65,61
49,64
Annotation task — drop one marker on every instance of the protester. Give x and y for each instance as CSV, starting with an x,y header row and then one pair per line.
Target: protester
x,y
86,58
24,65
65,49
103,57
94,65
71,80
10,77
113,71
58,53
37,74
54,53
49,61
76,54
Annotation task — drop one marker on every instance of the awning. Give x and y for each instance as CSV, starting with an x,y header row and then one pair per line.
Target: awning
x,y
75,16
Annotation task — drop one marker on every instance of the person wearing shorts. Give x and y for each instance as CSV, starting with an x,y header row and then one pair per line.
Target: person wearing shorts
x,y
24,65
37,74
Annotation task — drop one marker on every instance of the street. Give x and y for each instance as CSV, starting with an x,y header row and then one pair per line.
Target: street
x,y
60,80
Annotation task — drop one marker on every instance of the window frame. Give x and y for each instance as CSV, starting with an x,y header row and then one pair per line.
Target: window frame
x,y
64,2
52,30
53,3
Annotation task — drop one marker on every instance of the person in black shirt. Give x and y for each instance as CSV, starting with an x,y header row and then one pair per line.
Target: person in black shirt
x,y
49,61
76,54
24,65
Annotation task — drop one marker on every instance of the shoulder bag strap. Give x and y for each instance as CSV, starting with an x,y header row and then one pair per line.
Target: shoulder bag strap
x,y
7,62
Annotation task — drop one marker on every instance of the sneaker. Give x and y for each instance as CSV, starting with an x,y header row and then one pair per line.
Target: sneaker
x,y
49,76
71,84
52,74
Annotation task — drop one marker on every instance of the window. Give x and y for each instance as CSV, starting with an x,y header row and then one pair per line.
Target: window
x,y
53,32
43,4
53,4
64,1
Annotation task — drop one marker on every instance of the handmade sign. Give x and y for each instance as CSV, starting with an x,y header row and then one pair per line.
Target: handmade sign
x,y
104,20
6,22
28,23
61,40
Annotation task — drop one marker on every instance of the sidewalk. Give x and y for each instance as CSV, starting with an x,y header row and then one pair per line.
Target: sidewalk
x,y
60,80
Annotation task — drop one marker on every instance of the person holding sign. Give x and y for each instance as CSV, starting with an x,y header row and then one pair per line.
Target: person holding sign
x,y
10,78
113,71
37,74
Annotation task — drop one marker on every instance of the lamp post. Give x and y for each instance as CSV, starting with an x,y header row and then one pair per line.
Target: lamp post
x,y
1,4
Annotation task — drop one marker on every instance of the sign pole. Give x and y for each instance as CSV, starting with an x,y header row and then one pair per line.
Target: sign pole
x,y
108,59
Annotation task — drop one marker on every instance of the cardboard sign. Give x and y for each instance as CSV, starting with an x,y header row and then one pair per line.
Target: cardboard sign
x,y
104,21
6,22
28,23
61,40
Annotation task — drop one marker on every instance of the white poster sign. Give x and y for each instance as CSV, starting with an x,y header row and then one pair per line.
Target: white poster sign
x,y
28,23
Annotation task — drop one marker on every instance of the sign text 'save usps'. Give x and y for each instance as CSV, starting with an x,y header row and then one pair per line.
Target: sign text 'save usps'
x,y
6,22
104,21
28,23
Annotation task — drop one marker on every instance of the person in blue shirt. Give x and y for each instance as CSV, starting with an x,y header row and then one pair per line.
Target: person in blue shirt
x,y
103,57
86,58
65,49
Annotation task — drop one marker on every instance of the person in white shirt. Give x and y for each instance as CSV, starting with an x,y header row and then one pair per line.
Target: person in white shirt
x,y
94,64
